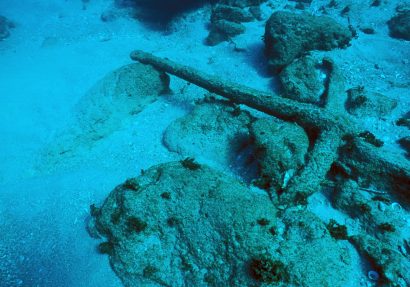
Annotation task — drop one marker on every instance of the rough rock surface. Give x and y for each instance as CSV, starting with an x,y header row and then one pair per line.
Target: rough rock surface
x,y
200,228
212,132
107,107
280,149
289,36
395,268
383,228
223,30
399,25
303,80
361,102
227,17
182,224
311,265
231,13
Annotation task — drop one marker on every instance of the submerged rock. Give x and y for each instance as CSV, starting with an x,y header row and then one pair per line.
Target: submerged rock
x,y
121,94
223,30
313,256
394,267
107,107
203,233
280,149
230,13
361,102
289,36
227,17
213,132
303,80
181,226
399,25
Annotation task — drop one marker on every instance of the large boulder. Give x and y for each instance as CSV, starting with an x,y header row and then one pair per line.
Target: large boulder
x,y
183,224
289,36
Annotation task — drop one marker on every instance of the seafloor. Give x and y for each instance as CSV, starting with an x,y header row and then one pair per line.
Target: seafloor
x,y
243,143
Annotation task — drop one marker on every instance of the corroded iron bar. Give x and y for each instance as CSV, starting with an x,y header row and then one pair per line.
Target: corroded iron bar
x,y
306,115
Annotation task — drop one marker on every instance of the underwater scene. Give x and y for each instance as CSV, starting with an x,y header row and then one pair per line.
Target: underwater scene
x,y
179,143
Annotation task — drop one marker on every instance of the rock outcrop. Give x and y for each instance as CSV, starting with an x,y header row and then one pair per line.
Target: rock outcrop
x,y
289,36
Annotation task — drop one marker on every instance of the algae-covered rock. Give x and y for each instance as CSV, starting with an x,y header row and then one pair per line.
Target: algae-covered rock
x,y
399,25
227,17
303,251
361,102
352,201
393,266
108,106
289,36
181,226
280,149
377,212
368,171
222,30
384,228
230,13
213,132
203,233
303,80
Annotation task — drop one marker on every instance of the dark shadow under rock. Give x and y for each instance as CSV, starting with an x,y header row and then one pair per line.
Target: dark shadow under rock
x,y
160,11
5,26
